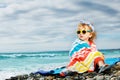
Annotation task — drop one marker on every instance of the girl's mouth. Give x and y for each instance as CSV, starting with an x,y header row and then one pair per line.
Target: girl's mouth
x,y
81,36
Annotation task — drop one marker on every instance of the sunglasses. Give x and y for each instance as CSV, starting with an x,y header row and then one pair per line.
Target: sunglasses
x,y
83,31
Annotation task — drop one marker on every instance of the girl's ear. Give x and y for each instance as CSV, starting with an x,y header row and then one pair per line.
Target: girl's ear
x,y
90,35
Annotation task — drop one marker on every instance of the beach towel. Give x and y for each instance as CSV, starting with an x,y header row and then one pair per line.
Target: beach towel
x,y
84,57
110,61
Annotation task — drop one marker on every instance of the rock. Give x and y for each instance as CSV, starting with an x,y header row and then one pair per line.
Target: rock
x,y
99,77
90,79
113,78
112,74
117,73
49,77
107,77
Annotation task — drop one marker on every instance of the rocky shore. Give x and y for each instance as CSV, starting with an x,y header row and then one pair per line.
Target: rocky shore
x,y
111,74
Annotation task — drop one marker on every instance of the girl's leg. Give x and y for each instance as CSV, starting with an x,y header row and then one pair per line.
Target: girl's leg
x,y
101,63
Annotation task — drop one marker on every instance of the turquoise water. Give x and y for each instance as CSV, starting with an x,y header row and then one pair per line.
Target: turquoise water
x,y
12,64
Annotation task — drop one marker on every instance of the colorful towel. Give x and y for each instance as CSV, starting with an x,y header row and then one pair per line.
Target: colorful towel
x,y
57,71
84,57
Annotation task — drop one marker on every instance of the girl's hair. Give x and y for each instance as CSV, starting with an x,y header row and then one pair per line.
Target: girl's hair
x,y
93,32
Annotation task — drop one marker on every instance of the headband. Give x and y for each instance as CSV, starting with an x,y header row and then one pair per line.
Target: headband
x,y
88,23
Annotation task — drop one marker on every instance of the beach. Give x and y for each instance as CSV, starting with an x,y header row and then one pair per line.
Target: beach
x,y
38,35
24,63
111,74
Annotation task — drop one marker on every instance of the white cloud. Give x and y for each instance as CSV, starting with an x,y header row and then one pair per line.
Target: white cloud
x,y
35,24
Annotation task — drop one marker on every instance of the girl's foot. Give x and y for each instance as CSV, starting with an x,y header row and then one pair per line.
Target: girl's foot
x,y
103,68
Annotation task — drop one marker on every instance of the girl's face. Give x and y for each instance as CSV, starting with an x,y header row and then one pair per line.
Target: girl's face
x,y
83,33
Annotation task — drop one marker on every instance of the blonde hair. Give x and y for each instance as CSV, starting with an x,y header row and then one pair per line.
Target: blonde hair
x,y
93,37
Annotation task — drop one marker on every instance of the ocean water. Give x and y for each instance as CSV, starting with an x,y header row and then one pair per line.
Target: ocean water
x,y
12,64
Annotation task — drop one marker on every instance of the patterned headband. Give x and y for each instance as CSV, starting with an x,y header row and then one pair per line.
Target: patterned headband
x,y
88,23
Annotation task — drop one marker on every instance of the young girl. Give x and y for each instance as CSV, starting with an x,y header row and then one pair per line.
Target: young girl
x,y
84,55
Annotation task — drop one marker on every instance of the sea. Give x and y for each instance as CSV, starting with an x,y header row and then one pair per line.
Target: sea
x,y
18,63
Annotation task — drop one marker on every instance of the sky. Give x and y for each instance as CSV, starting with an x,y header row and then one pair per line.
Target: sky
x,y
46,25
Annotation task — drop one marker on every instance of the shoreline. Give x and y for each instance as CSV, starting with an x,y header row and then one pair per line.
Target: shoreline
x,y
111,74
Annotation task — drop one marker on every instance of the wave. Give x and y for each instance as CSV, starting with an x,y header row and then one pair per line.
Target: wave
x,y
107,53
4,56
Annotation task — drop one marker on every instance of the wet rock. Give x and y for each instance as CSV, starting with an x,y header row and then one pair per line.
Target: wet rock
x,y
112,74
99,77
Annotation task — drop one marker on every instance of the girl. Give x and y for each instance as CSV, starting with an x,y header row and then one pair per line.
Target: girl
x,y
84,55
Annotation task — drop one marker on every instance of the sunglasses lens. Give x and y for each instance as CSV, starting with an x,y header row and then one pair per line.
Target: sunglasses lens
x,y
84,32
78,32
